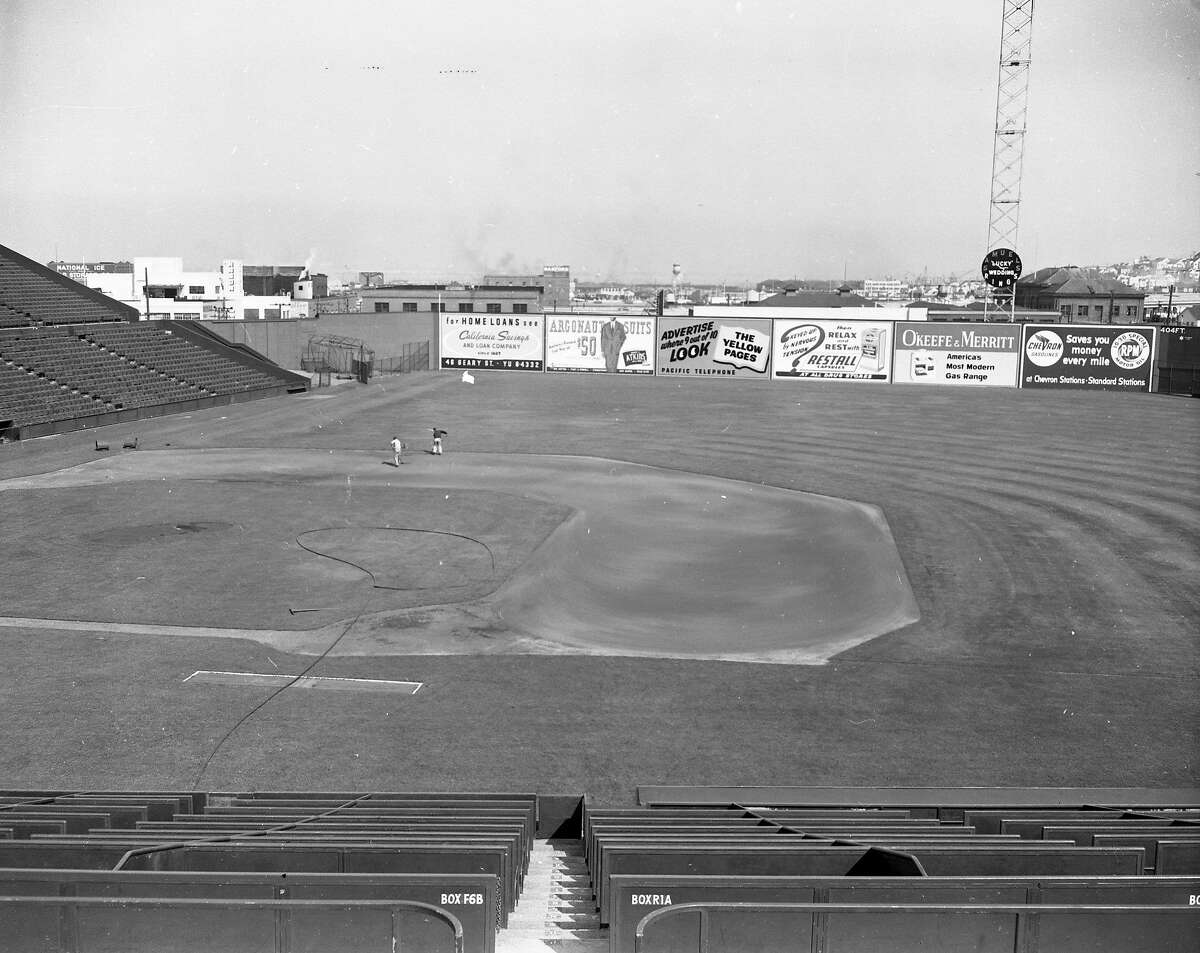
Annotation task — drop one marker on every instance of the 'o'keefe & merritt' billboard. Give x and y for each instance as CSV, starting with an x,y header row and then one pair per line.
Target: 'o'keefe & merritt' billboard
x,y
957,354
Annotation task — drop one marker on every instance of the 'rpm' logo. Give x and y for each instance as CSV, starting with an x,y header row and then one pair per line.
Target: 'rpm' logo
x,y
1130,350
1044,348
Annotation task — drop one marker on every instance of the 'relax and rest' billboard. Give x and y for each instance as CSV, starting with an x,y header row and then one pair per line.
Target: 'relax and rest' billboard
x,y
714,347
493,342
970,355
1088,356
832,349
612,343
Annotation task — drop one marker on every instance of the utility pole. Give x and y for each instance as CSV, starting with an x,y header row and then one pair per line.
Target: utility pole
x,y
1008,150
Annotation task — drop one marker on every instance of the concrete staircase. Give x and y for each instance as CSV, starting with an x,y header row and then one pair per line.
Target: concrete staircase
x,y
555,911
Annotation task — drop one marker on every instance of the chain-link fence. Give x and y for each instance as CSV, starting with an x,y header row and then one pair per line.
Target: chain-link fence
x,y
412,357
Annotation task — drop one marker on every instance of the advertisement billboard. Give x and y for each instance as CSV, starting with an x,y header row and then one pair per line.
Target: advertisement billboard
x,y
603,343
1090,356
832,349
493,342
710,347
968,355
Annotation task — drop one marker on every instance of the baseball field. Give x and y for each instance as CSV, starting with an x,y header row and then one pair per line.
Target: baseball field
x,y
604,582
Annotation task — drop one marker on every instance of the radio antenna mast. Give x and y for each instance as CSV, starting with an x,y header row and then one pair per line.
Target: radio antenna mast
x,y
1008,151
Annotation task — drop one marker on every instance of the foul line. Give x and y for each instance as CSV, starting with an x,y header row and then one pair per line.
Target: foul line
x,y
305,681
137,628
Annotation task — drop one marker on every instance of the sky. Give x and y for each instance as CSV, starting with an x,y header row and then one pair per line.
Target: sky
x,y
743,140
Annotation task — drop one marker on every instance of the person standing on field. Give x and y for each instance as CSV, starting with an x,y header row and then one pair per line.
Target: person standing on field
x,y
397,447
438,434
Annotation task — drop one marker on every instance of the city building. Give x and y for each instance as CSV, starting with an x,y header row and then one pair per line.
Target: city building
x,y
555,282
78,270
159,288
884,289
452,297
794,297
1080,297
309,287
231,277
1165,307
1188,316
271,279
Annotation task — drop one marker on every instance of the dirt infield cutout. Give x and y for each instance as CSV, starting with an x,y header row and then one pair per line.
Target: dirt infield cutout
x,y
596,556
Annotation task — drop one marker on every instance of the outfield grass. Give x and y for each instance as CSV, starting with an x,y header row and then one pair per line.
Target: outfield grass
x,y
1050,540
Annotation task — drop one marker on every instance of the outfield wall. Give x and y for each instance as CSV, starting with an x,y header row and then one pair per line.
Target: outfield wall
x,y
285,342
816,344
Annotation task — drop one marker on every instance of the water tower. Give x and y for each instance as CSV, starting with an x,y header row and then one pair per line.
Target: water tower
x,y
676,270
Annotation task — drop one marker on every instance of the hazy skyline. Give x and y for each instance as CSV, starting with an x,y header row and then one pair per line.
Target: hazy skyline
x,y
744,140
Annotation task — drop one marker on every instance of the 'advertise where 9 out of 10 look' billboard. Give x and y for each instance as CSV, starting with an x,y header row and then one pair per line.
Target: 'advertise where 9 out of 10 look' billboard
x,y
620,344
494,342
1090,356
711,347
956,354
832,349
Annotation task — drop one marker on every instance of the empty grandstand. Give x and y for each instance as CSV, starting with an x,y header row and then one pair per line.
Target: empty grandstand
x,y
773,870
70,358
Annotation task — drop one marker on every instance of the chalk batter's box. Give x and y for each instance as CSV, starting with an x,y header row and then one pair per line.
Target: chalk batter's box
x,y
829,349
714,347
599,343
494,342
1088,356
958,355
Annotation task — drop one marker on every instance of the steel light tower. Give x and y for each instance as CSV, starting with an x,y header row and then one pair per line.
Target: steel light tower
x,y
1012,98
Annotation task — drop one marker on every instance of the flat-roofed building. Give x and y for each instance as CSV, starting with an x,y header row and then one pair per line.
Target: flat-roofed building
x,y
555,282
270,279
453,297
793,297
883,289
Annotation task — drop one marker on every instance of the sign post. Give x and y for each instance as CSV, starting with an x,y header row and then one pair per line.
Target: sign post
x,y
1001,268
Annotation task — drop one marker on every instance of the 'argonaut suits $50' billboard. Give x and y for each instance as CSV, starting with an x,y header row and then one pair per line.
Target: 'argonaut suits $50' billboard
x,y
1089,356
616,343
714,347
850,350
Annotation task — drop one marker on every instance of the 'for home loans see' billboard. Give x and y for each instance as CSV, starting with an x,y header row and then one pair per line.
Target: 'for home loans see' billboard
x,y
504,342
957,354
707,347
1095,356
621,344
832,349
